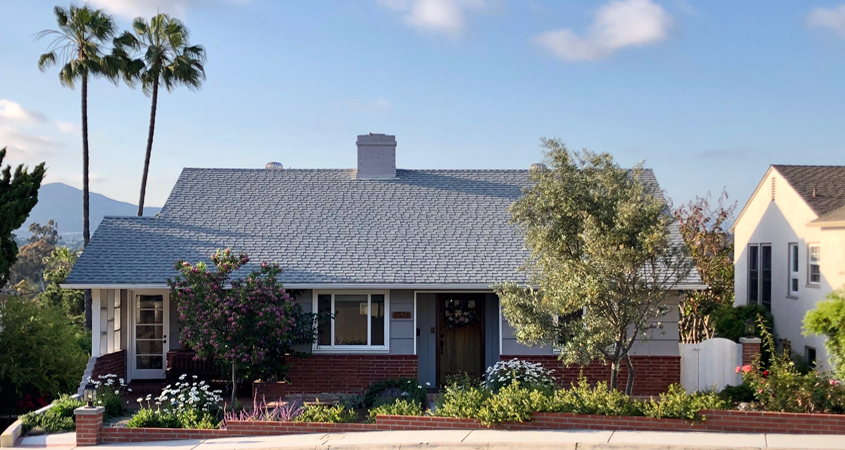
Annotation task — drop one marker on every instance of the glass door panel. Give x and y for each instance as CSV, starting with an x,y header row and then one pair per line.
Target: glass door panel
x,y
150,336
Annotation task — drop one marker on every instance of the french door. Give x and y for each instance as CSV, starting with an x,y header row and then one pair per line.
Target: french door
x,y
150,327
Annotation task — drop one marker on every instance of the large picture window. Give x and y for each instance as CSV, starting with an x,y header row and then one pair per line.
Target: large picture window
x,y
358,321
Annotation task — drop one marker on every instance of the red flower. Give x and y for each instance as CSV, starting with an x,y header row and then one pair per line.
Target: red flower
x,y
765,373
746,368
738,369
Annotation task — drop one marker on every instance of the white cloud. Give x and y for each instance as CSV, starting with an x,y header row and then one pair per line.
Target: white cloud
x,y
26,148
830,18
618,25
377,106
14,112
446,17
147,8
67,127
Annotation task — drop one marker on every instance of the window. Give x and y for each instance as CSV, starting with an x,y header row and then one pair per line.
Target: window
x,y
810,356
753,274
359,321
760,275
793,269
814,258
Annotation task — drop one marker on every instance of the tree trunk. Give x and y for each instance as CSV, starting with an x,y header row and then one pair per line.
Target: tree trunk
x,y
629,386
234,384
149,149
614,374
86,232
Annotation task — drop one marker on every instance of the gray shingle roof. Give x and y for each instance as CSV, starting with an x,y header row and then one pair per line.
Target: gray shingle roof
x,y
324,227
828,182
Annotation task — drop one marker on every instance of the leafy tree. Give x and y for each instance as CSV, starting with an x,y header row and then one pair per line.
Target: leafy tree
x,y
706,233
828,319
30,264
57,267
164,58
601,262
77,46
41,354
240,322
18,195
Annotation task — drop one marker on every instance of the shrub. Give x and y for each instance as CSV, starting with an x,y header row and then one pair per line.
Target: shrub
x,y
399,407
463,401
826,320
730,323
191,395
282,412
529,375
58,418
111,391
513,403
182,405
352,401
581,398
198,420
154,418
677,404
402,385
325,413
743,393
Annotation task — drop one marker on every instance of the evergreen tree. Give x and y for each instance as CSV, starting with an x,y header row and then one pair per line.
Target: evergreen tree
x,y
18,195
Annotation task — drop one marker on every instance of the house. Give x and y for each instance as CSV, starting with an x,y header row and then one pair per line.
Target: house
x,y
790,248
390,251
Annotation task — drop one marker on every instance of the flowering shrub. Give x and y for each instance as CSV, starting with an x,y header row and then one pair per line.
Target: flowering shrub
x,y
529,375
111,391
186,404
250,323
282,412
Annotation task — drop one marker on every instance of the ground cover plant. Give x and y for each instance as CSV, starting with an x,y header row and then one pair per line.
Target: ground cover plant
x,y
186,404
56,419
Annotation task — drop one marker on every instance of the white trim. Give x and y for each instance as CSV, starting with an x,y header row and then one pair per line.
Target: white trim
x,y
420,287
147,374
793,269
810,264
354,349
501,338
95,320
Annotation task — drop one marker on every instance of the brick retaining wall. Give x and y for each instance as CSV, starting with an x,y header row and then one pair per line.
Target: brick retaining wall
x,y
321,374
112,363
653,374
715,421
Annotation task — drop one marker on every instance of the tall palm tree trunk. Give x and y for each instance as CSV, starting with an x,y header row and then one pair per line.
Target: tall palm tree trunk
x,y
149,149
86,232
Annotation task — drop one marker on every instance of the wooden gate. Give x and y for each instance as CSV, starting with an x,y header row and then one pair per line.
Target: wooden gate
x,y
710,365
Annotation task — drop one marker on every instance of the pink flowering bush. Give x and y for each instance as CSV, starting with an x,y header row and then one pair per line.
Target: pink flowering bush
x,y
248,323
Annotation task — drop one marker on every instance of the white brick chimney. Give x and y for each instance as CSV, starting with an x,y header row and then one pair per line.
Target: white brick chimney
x,y
376,157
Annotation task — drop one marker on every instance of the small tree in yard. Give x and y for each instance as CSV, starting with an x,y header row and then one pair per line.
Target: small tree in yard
x,y
601,262
710,242
242,323
828,319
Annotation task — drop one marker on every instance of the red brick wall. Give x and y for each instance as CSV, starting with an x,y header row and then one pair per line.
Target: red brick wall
x,y
716,421
114,363
89,428
320,374
652,374
750,352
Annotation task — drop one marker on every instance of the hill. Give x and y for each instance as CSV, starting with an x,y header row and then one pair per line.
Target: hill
x,y
63,204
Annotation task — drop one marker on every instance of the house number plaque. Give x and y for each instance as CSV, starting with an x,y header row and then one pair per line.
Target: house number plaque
x,y
401,314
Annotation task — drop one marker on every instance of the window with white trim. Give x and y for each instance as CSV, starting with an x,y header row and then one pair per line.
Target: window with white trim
x,y
358,321
793,269
814,258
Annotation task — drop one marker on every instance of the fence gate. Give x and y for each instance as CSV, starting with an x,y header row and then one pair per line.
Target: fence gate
x,y
710,365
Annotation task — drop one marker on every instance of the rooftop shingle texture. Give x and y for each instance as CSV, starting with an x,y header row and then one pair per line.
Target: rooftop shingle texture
x,y
324,227
828,182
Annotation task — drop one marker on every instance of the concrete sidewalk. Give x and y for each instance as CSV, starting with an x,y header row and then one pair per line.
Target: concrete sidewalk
x,y
496,439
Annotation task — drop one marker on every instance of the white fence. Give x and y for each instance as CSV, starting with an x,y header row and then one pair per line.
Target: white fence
x,y
710,364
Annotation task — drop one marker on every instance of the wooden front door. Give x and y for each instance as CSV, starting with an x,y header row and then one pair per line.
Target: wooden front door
x,y
460,336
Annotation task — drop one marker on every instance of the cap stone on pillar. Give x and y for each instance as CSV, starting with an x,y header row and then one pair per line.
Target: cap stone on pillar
x,y
376,157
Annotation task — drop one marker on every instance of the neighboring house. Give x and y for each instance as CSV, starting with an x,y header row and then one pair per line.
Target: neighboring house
x,y
790,248
389,251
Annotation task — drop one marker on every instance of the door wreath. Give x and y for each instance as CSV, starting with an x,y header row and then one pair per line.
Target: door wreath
x,y
459,313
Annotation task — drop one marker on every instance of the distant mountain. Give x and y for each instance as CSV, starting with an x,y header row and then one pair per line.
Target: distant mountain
x,y
63,204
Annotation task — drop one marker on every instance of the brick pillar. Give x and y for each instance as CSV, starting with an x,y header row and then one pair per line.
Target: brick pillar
x,y
89,424
750,349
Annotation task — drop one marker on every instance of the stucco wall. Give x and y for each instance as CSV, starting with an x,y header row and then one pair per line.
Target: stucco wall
x,y
780,222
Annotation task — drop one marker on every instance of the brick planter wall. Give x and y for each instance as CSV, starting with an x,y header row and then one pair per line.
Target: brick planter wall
x,y
321,374
653,374
110,363
715,421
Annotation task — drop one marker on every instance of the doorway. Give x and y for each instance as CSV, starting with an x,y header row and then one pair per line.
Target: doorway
x,y
460,335
150,323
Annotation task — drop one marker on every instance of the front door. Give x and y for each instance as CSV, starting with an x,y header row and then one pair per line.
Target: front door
x,y
460,332
150,329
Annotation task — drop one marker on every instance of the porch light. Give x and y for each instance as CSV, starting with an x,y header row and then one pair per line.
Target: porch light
x,y
749,328
89,394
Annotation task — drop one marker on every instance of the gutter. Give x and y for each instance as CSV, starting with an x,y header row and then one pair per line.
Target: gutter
x,y
408,286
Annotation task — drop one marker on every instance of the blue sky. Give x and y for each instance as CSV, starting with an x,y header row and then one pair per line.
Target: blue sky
x,y
707,93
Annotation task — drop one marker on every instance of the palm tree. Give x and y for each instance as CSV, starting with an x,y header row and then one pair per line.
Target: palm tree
x,y
164,58
76,46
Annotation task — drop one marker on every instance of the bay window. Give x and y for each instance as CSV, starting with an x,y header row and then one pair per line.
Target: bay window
x,y
358,321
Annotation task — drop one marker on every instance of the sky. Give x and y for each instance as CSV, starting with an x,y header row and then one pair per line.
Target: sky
x,y
707,93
